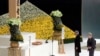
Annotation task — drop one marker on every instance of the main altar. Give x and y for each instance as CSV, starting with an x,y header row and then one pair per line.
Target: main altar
x,y
24,42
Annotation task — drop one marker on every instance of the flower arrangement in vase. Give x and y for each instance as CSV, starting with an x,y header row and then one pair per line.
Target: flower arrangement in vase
x,y
56,16
14,24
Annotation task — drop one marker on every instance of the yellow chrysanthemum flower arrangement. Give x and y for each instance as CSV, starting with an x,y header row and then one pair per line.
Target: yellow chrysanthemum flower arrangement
x,y
41,25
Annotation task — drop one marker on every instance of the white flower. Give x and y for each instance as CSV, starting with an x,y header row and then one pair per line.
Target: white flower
x,y
56,13
14,21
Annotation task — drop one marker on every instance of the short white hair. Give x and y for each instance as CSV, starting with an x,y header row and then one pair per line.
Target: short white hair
x,y
76,31
90,33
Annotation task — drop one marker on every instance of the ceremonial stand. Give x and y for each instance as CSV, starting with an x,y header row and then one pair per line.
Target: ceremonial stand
x,y
14,51
59,36
14,12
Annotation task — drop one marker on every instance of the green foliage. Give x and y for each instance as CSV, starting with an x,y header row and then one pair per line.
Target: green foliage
x,y
17,37
70,40
15,33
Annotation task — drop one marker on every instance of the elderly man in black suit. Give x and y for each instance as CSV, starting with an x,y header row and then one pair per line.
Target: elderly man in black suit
x,y
91,44
77,43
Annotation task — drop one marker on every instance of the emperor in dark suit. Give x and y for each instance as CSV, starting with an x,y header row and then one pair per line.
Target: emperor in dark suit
x,y
91,44
77,44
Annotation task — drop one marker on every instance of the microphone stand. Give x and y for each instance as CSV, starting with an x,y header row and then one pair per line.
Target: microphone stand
x,y
52,48
29,45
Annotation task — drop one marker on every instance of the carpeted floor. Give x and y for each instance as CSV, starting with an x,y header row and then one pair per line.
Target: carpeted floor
x,y
97,47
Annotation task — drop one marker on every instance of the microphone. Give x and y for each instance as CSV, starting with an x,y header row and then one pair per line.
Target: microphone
x,y
47,40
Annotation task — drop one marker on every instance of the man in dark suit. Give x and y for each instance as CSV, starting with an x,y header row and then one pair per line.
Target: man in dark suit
x,y
91,44
77,43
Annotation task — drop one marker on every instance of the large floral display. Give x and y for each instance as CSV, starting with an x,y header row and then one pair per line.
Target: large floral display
x,y
35,21
14,28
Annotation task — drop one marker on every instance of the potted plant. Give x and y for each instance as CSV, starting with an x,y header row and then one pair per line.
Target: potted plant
x,y
56,16
16,37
